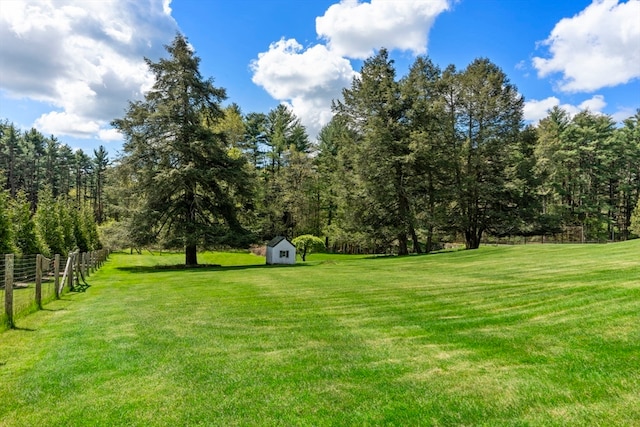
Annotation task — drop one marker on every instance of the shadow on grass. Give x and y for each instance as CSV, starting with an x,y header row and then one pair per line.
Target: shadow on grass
x,y
18,328
54,309
414,255
203,267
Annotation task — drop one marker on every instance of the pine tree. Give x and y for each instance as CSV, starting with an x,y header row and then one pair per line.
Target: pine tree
x,y
487,124
48,223
27,238
373,106
186,180
6,228
635,220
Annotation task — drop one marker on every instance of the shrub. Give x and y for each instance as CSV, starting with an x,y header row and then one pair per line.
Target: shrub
x,y
308,243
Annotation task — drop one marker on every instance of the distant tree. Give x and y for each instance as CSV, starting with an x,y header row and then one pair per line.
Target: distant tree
x,y
100,164
82,166
306,244
283,131
627,162
635,220
10,156
374,107
186,181
232,125
115,235
428,159
254,140
487,123
6,228
47,219
34,146
27,239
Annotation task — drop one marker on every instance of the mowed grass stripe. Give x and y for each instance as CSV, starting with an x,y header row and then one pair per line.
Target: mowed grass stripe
x,y
528,335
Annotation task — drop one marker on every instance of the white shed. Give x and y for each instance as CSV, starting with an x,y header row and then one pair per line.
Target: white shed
x,y
281,251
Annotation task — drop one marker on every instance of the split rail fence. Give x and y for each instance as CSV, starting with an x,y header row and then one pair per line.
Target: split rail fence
x,y
30,281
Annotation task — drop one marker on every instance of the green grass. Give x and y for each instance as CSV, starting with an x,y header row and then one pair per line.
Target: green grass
x,y
537,335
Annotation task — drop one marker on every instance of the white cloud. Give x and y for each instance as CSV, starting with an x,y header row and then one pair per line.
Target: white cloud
x,y
355,29
535,110
63,123
307,79
595,104
597,48
109,135
84,58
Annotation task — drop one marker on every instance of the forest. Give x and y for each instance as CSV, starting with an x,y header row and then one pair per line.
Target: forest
x,y
407,164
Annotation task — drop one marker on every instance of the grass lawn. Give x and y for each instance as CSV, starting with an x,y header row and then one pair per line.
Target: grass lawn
x,y
536,335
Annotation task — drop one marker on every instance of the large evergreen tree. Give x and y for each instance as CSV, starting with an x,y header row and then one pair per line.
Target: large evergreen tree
x,y
488,121
186,180
373,106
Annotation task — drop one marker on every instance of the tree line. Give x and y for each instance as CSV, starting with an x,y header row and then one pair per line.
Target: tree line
x,y
50,196
406,164
444,155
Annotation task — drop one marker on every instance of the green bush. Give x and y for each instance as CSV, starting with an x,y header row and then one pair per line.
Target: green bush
x,y
308,243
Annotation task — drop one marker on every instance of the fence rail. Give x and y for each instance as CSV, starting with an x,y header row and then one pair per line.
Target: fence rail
x,y
32,280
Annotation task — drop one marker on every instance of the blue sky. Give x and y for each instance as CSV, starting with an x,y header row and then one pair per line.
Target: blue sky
x,y
69,67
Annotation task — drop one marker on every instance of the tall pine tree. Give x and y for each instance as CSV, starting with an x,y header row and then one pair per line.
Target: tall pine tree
x,y
186,180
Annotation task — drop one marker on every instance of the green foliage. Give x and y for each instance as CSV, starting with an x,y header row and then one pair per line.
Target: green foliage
x,y
27,238
406,164
48,223
285,199
307,244
433,151
186,184
635,220
115,235
68,219
85,229
6,227
589,172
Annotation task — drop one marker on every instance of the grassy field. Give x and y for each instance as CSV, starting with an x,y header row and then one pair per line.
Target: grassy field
x,y
537,335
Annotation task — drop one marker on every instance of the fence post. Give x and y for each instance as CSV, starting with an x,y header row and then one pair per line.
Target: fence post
x,y
86,264
70,265
8,289
78,269
39,281
56,274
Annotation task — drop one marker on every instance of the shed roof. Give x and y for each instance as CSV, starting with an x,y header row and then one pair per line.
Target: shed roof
x,y
273,242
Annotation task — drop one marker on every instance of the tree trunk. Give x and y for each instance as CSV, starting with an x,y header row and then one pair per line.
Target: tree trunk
x,y
416,243
472,239
191,255
430,239
402,244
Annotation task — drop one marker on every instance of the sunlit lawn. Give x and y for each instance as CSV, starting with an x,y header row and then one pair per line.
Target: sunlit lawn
x,y
537,335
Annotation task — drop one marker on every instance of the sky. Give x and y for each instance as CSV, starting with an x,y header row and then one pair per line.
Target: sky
x,y
68,68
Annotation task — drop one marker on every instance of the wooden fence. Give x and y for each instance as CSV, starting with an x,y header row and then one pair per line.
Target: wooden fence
x,y
30,281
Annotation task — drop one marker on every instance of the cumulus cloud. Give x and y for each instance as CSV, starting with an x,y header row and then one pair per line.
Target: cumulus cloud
x,y
85,59
597,48
535,110
64,123
355,29
308,79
